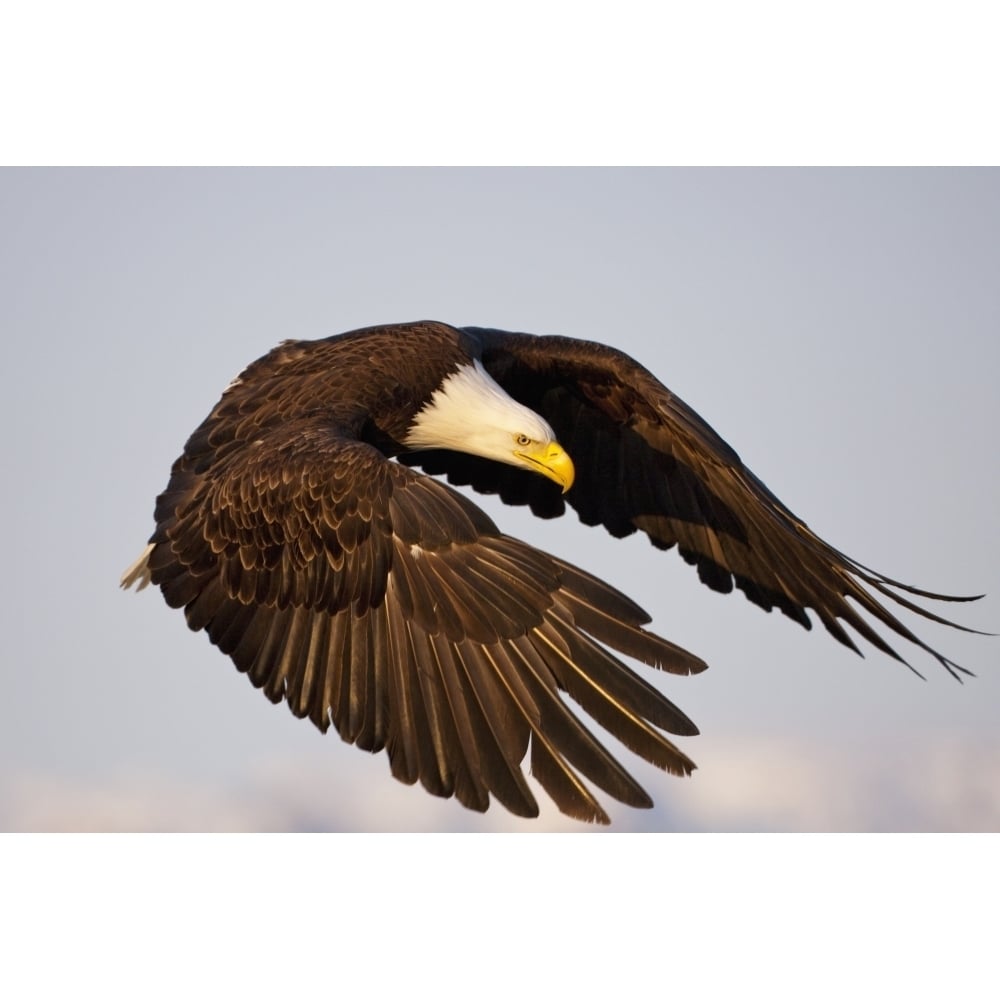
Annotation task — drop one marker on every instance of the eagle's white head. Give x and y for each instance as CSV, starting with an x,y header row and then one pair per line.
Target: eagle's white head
x,y
469,412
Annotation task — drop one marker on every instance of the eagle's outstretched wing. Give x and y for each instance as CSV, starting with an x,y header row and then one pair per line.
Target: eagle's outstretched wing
x,y
370,596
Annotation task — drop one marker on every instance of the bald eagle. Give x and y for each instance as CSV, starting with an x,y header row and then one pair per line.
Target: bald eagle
x,y
295,531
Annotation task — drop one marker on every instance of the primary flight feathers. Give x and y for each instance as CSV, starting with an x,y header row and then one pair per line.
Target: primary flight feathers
x,y
378,599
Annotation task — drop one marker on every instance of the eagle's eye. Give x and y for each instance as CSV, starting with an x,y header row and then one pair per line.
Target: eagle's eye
x,y
522,440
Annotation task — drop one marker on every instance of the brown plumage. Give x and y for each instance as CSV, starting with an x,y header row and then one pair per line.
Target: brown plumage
x,y
379,599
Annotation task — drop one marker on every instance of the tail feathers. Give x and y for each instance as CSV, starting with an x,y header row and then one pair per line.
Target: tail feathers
x,y
138,571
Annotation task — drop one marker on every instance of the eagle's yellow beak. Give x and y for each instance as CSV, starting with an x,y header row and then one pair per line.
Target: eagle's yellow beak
x,y
551,461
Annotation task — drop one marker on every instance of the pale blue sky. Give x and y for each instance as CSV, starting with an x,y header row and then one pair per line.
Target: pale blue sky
x,y
839,328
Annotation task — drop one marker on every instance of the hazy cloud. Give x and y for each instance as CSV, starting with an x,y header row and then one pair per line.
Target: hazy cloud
x,y
754,785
